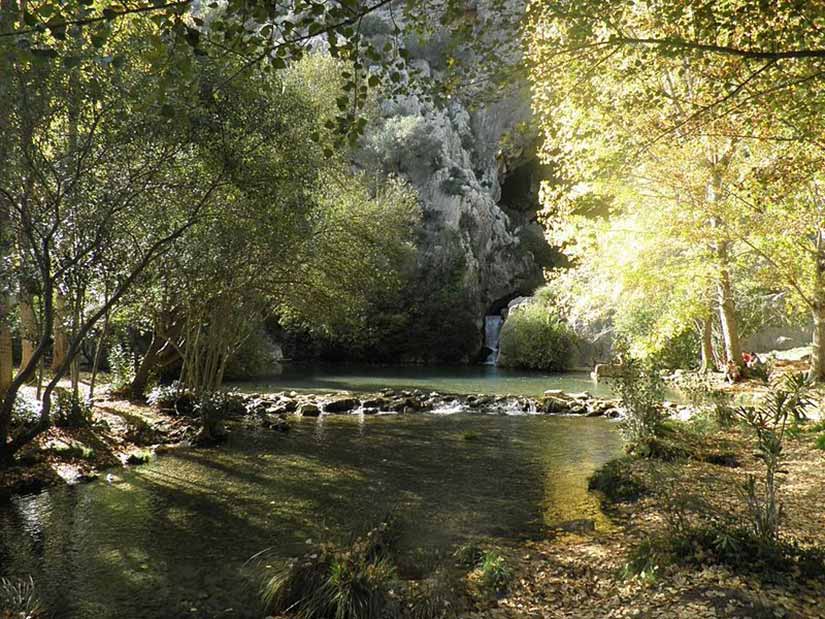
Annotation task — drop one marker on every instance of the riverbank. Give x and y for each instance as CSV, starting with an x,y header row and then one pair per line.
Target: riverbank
x,y
657,558
121,433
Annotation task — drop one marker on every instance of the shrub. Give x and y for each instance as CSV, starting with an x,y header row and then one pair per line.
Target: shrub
x,y
641,391
738,549
617,482
19,598
535,337
70,410
24,412
121,366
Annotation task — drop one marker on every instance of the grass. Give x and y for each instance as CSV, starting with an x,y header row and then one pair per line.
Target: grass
x,y
471,435
18,598
74,452
820,442
617,482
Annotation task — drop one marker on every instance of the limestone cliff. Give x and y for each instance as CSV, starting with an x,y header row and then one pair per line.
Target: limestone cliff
x,y
478,179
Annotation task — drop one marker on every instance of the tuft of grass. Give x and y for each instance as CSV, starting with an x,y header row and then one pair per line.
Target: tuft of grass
x,y
471,435
820,441
356,582
494,572
19,598
468,554
617,482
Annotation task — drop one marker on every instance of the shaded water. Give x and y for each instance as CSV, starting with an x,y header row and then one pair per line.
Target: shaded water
x,y
173,535
458,379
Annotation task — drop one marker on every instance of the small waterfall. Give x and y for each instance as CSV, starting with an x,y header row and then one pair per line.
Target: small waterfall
x,y
492,330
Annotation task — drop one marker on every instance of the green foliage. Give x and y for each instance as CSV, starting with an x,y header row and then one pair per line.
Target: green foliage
x,y
71,411
121,365
25,413
494,572
820,442
784,403
641,391
535,337
468,554
617,481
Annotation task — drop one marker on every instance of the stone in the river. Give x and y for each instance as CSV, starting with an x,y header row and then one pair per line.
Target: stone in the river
x,y
341,405
552,405
309,410
376,403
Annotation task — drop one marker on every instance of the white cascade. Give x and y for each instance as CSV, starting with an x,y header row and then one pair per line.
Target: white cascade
x,y
492,331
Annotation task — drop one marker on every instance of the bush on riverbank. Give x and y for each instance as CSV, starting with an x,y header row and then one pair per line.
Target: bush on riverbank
x,y
617,482
736,548
535,337
359,581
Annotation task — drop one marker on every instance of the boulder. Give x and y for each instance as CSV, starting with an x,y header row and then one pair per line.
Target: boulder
x,y
552,405
309,410
341,405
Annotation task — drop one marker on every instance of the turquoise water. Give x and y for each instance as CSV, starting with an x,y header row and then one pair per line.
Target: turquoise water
x,y
459,379
172,538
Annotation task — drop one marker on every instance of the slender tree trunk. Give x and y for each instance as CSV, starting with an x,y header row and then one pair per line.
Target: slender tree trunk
x,y
101,342
9,20
61,339
727,307
28,329
818,313
146,367
708,362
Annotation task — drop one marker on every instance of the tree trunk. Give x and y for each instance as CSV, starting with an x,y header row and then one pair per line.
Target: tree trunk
x,y
101,343
817,372
28,330
9,20
146,367
727,308
61,340
708,362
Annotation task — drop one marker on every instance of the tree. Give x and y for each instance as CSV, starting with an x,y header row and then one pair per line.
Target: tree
x,y
99,187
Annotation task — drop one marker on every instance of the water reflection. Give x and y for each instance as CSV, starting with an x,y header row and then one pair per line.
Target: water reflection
x,y
175,534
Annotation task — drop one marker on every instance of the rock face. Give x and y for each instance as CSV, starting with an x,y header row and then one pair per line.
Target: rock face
x,y
478,178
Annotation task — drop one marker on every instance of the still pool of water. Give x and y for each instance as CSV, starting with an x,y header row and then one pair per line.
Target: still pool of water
x,y
459,379
172,538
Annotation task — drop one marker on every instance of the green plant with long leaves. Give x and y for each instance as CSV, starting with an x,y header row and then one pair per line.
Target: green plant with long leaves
x,y
786,403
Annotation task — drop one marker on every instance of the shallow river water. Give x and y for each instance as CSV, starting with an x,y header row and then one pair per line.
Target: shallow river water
x,y
450,379
172,538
